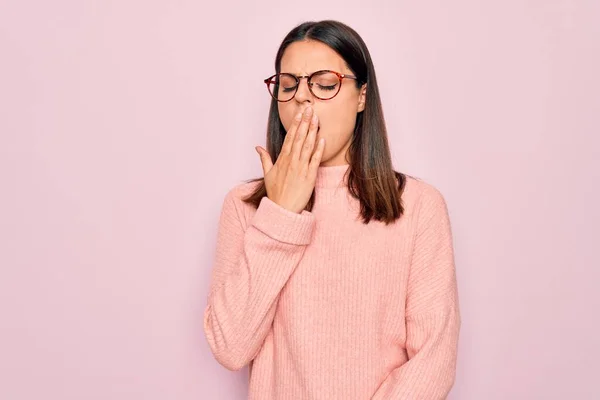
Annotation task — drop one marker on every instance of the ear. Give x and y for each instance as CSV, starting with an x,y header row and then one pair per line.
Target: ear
x,y
362,98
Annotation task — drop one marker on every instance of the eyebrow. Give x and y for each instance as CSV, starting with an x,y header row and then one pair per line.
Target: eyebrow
x,y
297,75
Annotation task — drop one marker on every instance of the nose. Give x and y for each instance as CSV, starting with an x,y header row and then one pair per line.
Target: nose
x,y
303,93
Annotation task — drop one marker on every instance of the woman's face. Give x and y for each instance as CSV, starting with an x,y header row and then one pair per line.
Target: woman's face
x,y
337,116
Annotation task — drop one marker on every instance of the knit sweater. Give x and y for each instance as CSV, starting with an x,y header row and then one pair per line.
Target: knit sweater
x,y
321,306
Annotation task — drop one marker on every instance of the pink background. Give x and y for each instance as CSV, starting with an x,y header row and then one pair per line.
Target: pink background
x,y
124,123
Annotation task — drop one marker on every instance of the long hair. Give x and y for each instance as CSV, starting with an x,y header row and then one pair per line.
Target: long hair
x,y
371,177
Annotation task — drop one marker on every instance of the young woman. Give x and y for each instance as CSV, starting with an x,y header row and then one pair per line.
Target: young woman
x,y
334,275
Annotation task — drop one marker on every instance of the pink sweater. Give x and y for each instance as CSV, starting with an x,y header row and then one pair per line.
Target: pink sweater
x,y
322,306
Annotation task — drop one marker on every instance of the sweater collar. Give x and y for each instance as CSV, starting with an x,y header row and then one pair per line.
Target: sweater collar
x,y
332,176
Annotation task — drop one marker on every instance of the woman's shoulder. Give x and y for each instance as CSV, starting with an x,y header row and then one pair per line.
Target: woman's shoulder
x,y
241,190
421,193
234,204
236,195
244,189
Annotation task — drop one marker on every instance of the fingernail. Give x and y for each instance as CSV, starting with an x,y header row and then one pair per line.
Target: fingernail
x,y
314,118
308,110
298,116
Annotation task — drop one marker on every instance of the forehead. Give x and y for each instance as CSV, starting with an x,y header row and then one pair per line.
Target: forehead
x,y
305,57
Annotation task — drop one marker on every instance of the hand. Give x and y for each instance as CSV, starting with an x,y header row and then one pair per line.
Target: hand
x,y
290,182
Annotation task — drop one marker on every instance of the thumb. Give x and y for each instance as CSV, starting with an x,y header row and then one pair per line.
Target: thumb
x,y
265,159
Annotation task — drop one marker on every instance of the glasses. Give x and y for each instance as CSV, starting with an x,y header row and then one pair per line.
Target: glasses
x,y
324,85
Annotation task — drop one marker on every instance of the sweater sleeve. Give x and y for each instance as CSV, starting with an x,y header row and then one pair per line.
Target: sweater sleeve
x,y
432,313
251,267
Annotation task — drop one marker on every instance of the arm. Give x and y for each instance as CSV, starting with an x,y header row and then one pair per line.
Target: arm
x,y
432,313
251,267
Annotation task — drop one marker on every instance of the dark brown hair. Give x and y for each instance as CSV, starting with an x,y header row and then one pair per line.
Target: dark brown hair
x,y
371,177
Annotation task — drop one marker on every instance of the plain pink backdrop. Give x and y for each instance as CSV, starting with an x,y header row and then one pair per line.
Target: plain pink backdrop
x,y
124,123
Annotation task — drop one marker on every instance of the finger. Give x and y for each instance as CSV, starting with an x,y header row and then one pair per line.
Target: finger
x,y
300,135
265,159
309,142
315,160
288,141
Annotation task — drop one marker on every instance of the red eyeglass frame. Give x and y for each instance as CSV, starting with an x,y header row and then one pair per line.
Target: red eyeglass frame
x,y
341,77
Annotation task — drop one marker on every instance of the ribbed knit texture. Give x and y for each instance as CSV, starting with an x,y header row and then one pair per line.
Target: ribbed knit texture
x,y
322,306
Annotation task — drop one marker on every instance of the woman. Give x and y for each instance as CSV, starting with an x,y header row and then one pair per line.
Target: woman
x,y
334,275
